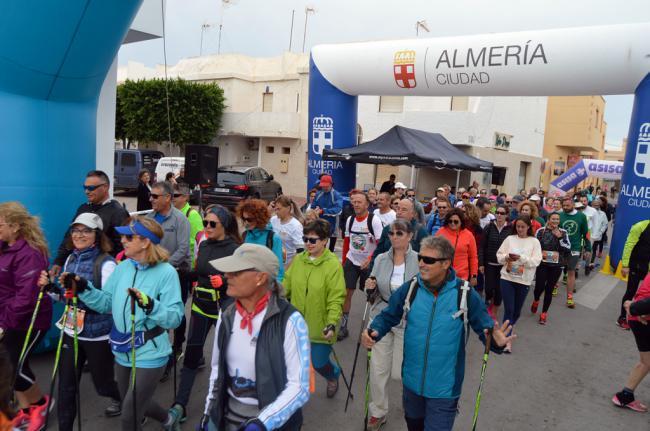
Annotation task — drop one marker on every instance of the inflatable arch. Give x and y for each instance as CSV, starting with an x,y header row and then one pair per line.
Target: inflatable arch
x,y
574,61
585,168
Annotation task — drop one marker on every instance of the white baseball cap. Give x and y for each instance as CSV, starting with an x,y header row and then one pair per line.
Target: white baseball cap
x,y
90,220
399,185
249,256
534,198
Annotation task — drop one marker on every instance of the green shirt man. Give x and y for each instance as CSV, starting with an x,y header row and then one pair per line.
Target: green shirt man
x,y
575,223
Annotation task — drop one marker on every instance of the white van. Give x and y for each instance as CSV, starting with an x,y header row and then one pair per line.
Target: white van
x,y
169,164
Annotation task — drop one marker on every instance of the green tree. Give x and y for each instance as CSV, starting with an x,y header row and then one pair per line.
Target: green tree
x,y
195,111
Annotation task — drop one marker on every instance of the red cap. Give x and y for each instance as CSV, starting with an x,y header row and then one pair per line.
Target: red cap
x,y
325,180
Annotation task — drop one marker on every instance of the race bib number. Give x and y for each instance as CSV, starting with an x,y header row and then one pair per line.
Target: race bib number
x,y
550,256
575,253
516,270
69,323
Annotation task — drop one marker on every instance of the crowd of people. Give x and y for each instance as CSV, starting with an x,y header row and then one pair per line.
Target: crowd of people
x,y
267,278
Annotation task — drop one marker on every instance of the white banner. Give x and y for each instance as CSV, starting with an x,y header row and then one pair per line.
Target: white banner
x,y
573,61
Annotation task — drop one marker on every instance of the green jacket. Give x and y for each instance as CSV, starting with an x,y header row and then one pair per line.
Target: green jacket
x,y
317,289
632,240
578,229
196,226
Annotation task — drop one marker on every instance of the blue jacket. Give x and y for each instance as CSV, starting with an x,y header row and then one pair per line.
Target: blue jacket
x,y
258,236
332,204
434,347
159,282
434,223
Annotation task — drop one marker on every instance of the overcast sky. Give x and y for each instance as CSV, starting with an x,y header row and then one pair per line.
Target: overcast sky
x,y
262,27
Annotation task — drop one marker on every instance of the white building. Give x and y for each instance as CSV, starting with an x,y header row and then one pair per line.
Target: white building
x,y
265,123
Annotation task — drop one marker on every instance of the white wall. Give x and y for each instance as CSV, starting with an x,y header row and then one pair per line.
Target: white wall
x,y
105,132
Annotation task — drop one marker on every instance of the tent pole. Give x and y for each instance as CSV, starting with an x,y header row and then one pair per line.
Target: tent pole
x,y
412,176
457,179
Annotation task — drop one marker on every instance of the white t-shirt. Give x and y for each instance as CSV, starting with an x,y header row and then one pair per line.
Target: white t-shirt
x,y
362,242
484,221
386,218
397,277
291,235
590,213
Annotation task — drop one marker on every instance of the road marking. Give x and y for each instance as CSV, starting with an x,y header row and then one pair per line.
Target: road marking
x,y
592,293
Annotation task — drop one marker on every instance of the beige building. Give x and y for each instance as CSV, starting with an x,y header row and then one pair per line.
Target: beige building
x,y
575,129
266,123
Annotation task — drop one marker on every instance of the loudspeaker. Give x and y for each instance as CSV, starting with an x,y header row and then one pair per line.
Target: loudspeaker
x,y
201,163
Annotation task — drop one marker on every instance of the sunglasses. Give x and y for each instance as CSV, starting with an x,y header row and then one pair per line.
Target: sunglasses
x,y
394,204
454,221
310,239
81,232
430,260
178,195
93,188
397,233
508,202
154,196
410,196
128,238
213,224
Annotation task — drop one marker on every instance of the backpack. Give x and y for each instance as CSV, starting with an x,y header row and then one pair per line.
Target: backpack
x,y
463,305
97,268
269,239
368,224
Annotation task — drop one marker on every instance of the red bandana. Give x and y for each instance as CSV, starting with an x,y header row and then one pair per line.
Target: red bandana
x,y
246,317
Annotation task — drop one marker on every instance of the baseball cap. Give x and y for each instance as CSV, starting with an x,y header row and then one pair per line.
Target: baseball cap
x,y
326,180
518,198
534,198
441,189
249,256
578,205
493,197
399,185
90,220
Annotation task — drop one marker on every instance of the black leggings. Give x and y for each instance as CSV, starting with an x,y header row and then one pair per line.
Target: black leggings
x,y
100,362
13,341
545,278
332,243
492,284
634,278
596,247
200,326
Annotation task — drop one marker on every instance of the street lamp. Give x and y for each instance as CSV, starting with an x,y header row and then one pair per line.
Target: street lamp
x,y
308,10
421,24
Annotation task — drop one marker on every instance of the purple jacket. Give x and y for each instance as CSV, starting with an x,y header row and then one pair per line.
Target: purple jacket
x,y
20,267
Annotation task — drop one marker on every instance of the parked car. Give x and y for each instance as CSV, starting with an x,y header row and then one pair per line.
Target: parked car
x,y
128,163
236,183
168,164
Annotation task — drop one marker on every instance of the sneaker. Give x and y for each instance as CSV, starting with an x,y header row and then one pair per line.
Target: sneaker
x,y
375,423
113,409
542,318
533,307
173,419
37,415
622,323
569,302
555,290
332,387
182,411
343,333
600,255
21,421
635,405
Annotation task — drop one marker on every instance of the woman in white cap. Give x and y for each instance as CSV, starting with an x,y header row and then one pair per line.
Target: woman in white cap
x,y
260,357
89,258
153,284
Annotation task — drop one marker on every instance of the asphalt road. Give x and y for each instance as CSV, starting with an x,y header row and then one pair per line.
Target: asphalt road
x,y
559,377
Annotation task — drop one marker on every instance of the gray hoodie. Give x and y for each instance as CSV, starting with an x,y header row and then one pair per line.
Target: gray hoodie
x,y
383,270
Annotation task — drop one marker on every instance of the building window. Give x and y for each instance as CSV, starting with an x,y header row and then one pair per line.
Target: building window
x,y
270,149
286,150
498,175
391,103
523,171
459,103
267,102
597,118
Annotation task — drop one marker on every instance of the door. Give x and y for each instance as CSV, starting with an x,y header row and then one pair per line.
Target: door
x,y
128,172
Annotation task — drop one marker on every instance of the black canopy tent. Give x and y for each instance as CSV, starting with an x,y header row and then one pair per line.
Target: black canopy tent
x,y
416,148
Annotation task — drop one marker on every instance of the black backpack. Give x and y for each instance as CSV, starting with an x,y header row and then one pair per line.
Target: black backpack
x,y
368,223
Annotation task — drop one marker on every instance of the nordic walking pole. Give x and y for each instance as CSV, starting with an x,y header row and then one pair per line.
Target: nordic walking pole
x,y
135,416
57,357
367,397
21,358
477,405
75,341
338,363
356,354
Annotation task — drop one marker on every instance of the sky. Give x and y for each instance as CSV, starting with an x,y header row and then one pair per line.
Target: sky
x,y
262,28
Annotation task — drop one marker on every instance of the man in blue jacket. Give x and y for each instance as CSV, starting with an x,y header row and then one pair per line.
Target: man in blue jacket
x,y
329,204
434,349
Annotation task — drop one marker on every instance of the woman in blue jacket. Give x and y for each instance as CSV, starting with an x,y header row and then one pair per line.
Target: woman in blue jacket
x,y
254,213
147,276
